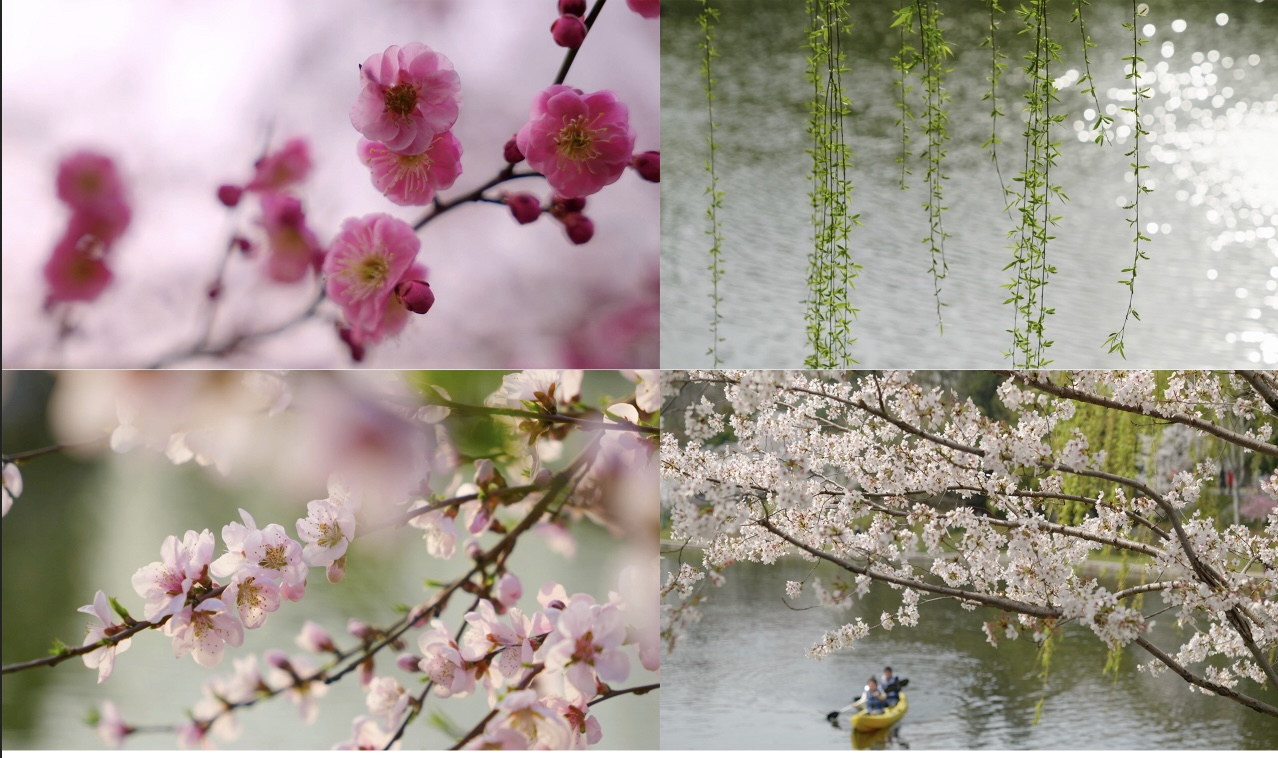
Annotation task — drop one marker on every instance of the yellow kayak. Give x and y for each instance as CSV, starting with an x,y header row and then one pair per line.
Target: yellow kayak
x,y
865,721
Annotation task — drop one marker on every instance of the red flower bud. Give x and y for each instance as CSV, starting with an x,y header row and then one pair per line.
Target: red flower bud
x,y
229,195
568,31
572,7
415,295
580,229
564,205
525,208
511,151
648,165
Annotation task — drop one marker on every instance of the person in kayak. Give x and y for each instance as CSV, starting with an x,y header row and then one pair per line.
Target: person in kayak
x,y
890,684
873,697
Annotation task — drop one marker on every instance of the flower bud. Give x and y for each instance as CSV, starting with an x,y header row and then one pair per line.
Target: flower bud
x,y
230,194
564,205
415,295
483,472
648,165
580,229
314,639
542,477
524,207
277,659
336,571
409,662
244,245
508,590
568,31
366,669
357,628
511,151
572,7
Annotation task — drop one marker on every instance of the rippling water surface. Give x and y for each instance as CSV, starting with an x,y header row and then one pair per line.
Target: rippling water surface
x,y
1208,296
740,680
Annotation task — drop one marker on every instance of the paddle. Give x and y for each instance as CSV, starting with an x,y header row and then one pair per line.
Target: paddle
x,y
832,715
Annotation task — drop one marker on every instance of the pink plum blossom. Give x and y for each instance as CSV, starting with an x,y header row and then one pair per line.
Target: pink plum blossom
x,y
499,738
205,631
77,270
282,168
102,658
581,143
111,727
253,595
367,734
367,259
443,663
645,8
165,583
329,526
409,95
413,179
90,185
294,248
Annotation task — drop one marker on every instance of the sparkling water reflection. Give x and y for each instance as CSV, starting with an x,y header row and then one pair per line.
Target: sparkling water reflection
x,y
1208,296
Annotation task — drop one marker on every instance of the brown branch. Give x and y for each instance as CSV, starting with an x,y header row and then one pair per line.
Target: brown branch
x,y
1198,681
1069,393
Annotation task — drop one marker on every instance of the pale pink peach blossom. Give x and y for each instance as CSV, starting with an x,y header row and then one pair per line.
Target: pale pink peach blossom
x,y
252,594
413,179
103,658
409,95
111,727
205,631
580,142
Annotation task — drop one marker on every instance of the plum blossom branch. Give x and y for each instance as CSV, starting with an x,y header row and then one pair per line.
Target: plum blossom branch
x,y
571,55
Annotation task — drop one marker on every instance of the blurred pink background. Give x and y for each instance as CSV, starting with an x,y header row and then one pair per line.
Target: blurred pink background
x,y
183,95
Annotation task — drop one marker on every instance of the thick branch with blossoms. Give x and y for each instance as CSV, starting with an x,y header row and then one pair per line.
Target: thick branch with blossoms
x,y
917,488
541,670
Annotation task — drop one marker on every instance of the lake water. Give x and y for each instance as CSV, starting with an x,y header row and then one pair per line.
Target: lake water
x,y
740,680
1208,296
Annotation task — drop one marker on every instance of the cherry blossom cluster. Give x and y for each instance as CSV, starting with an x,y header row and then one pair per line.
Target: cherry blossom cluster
x,y
89,184
541,668
878,477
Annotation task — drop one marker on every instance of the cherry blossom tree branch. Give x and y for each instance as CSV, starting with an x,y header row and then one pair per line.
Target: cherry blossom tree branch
x,y
1198,681
989,601
592,424
1264,384
1040,382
